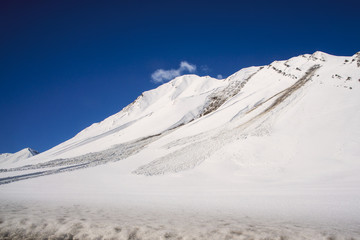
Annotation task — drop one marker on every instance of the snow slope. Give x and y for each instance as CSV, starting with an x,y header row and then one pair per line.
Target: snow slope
x,y
279,141
168,106
8,159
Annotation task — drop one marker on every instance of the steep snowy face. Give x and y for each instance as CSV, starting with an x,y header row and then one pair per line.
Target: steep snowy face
x,y
170,105
191,105
7,159
288,115
234,84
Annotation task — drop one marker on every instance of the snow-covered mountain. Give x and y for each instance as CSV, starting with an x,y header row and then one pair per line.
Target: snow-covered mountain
x,y
251,101
287,132
7,159
205,103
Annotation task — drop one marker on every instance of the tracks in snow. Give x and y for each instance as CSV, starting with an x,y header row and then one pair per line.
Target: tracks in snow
x,y
114,154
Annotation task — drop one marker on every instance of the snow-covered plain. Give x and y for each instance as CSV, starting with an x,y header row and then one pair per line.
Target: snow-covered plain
x,y
270,152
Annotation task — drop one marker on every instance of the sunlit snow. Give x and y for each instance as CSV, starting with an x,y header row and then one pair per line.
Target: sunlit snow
x,y
269,152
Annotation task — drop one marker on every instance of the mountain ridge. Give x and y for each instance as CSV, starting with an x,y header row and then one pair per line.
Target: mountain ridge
x,y
188,98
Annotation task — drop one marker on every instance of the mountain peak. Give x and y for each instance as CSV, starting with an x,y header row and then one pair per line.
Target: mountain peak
x,y
318,55
32,151
10,158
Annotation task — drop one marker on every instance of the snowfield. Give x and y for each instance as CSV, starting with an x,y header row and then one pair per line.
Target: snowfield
x,y
8,159
271,152
61,221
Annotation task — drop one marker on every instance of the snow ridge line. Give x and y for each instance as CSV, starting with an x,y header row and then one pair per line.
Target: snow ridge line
x,y
173,162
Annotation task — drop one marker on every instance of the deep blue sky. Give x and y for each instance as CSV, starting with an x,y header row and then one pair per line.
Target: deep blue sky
x,y
67,64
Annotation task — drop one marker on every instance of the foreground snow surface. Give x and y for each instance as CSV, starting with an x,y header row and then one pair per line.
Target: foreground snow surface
x,y
271,152
29,220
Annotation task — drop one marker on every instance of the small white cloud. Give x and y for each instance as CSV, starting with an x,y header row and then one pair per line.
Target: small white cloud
x,y
219,76
161,75
185,66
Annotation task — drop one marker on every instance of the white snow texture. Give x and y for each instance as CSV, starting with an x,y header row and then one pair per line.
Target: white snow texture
x,y
280,141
